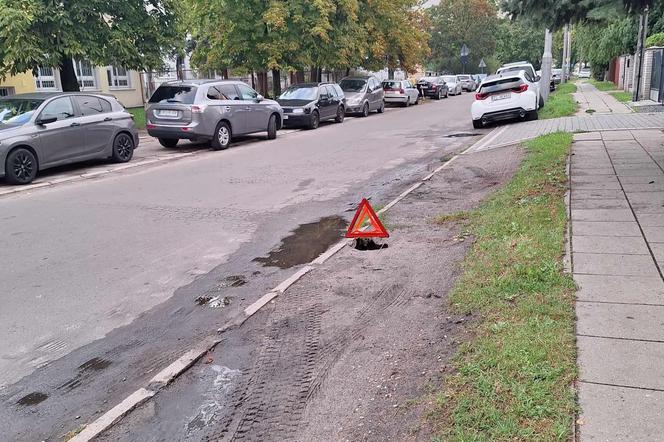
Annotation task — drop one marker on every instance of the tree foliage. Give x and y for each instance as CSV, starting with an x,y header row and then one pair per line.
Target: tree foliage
x,y
458,22
135,34
516,41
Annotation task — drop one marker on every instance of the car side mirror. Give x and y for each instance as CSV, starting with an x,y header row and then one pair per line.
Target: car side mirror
x,y
259,98
538,78
45,120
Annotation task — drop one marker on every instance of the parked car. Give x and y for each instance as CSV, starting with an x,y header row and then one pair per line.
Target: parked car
x,y
478,79
552,82
209,110
584,73
307,104
557,75
505,96
467,82
43,130
530,73
434,87
401,92
453,86
363,95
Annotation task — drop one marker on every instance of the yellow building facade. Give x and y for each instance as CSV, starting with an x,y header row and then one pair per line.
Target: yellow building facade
x,y
125,85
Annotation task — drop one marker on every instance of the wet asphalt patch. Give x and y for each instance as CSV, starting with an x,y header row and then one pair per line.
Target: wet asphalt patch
x,y
305,243
33,398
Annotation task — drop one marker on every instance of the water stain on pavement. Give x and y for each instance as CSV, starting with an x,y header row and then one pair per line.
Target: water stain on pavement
x,y
85,370
94,364
305,243
33,398
462,135
234,281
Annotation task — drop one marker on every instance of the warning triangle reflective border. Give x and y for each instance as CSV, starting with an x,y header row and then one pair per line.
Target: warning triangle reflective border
x,y
360,229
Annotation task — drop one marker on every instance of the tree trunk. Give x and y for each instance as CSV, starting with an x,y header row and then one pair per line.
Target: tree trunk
x,y
276,82
262,83
253,82
178,67
68,78
390,73
224,73
299,77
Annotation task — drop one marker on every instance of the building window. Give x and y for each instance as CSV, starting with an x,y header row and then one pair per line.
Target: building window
x,y
117,77
45,79
6,91
85,74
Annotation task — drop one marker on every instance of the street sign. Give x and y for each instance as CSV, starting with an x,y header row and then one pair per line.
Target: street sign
x,y
482,64
360,229
465,52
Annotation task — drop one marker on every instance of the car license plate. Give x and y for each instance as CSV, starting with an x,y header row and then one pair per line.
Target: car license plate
x,y
285,117
424,87
168,113
500,96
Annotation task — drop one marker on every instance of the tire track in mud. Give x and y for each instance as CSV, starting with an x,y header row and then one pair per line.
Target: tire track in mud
x,y
292,365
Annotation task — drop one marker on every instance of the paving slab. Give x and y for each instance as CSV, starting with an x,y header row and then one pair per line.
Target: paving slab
x,y
621,362
617,135
585,170
626,245
627,321
656,178
596,185
602,214
597,203
583,136
596,194
626,289
607,228
654,234
620,414
613,264
648,187
651,219
658,251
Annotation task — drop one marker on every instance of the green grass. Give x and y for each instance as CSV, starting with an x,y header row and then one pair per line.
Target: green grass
x,y
561,102
604,85
622,96
513,378
139,116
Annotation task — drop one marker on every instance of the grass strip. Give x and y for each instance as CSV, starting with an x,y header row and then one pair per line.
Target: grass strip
x,y
622,96
139,116
561,103
513,378
604,85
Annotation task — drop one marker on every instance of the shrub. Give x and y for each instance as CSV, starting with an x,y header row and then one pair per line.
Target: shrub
x,y
655,40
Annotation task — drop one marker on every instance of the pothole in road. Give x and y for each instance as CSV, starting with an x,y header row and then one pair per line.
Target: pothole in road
x,y
365,244
305,243
33,398
95,364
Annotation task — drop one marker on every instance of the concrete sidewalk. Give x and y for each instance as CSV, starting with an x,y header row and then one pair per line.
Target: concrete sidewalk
x,y
592,100
617,245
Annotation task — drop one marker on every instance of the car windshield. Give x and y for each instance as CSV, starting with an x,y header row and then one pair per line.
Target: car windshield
x,y
464,77
449,79
429,79
391,84
352,84
300,93
174,94
16,111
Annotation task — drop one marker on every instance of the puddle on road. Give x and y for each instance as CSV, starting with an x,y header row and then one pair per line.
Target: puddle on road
x,y
234,281
305,243
462,135
33,398
94,364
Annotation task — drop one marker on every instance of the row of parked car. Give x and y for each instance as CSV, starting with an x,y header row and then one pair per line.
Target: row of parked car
x,y
43,130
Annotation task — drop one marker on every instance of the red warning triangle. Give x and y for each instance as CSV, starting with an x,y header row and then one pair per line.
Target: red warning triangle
x,y
360,229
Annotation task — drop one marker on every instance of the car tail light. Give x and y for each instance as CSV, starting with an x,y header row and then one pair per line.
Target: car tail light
x,y
198,108
150,126
401,91
522,88
480,96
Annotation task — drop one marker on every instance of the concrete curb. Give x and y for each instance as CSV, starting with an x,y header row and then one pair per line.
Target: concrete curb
x,y
179,366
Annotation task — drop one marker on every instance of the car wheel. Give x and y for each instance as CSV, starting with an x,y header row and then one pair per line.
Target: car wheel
x,y
272,127
314,121
407,103
477,124
381,109
365,110
222,136
123,148
447,93
168,142
417,100
439,96
341,113
20,166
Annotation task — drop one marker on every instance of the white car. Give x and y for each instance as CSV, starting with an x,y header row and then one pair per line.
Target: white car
x,y
584,73
505,96
453,86
531,75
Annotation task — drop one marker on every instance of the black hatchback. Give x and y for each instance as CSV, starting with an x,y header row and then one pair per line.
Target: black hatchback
x,y
307,104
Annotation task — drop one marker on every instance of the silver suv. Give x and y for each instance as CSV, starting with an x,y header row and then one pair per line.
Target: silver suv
x,y
214,110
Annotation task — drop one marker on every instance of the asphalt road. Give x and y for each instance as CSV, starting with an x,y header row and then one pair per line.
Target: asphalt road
x,y
109,269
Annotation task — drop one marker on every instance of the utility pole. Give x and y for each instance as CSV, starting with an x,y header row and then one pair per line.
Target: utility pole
x,y
638,62
564,60
545,81
568,60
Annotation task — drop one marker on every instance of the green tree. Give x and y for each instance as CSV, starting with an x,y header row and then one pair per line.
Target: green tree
x,y
135,34
516,41
455,22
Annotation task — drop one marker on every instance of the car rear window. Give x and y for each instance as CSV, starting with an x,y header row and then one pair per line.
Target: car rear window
x,y
174,94
391,85
501,85
353,84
